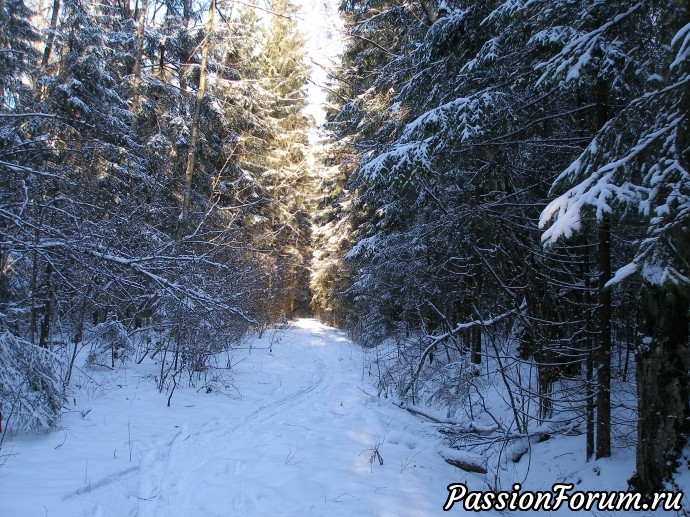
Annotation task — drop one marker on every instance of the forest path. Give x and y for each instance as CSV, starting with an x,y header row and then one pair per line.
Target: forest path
x,y
298,441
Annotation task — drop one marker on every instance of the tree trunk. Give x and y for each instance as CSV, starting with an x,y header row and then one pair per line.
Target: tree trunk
x,y
137,63
476,339
160,67
47,309
51,34
78,337
589,352
194,139
662,360
476,332
603,439
185,57
662,387
603,444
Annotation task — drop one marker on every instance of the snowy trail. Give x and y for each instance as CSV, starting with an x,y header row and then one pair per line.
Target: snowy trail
x,y
297,442
187,477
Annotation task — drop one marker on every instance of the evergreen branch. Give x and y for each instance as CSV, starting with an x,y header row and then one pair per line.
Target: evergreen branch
x,y
382,49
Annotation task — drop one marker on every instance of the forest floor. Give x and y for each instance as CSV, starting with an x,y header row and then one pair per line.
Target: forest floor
x,y
298,431
296,436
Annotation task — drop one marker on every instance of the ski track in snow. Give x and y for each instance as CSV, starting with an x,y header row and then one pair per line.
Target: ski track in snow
x,y
298,442
180,469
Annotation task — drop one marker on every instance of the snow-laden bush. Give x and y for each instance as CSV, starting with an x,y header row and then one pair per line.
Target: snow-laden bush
x,y
449,384
407,370
111,342
31,394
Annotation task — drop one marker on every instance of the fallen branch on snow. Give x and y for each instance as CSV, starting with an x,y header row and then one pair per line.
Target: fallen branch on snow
x,y
460,427
464,460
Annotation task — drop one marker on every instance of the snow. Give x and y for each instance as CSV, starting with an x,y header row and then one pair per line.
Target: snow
x,y
368,244
296,439
298,433
595,190
653,273
402,157
623,273
468,458
462,113
577,51
684,50
507,8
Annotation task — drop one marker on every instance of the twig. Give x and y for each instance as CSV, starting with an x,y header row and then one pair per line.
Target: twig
x,y
335,499
152,497
12,408
366,393
382,49
291,455
63,442
409,462
375,454
129,441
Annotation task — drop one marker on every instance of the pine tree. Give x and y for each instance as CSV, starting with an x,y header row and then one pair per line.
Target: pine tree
x,y
455,141
636,166
285,178
18,55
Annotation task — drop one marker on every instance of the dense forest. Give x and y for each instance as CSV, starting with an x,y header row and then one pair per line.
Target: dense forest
x,y
154,173
514,187
505,185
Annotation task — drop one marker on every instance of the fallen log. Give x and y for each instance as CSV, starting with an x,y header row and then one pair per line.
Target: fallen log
x,y
462,427
466,461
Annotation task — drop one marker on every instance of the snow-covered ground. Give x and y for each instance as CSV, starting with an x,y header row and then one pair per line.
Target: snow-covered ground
x,y
298,441
297,435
